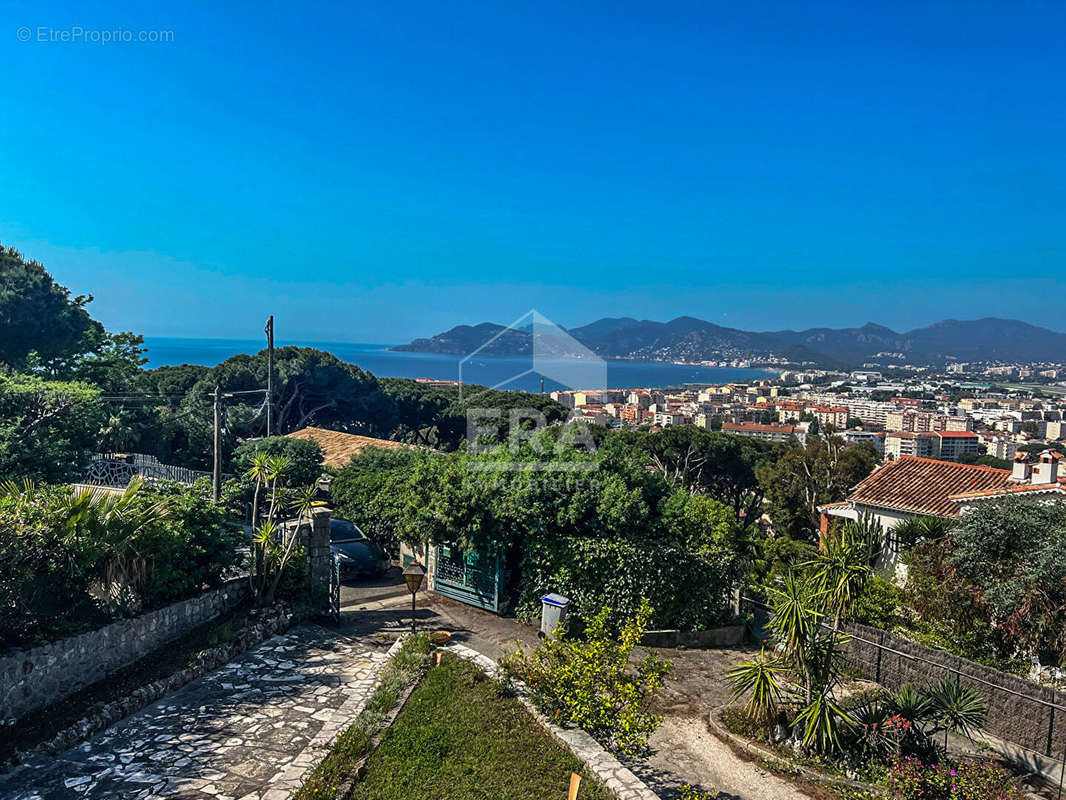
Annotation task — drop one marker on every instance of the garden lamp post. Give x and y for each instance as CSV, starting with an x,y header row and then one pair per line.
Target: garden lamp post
x,y
413,574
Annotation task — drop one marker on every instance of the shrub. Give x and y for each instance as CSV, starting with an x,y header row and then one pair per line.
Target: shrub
x,y
73,561
47,428
193,546
877,604
691,591
589,684
911,779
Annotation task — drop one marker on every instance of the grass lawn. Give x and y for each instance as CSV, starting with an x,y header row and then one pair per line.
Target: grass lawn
x,y
458,739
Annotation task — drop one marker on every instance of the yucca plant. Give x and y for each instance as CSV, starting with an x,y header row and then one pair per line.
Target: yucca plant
x,y
913,530
273,542
956,708
821,720
872,731
761,678
795,621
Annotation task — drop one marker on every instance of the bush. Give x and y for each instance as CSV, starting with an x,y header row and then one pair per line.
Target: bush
x,y
691,591
70,562
194,546
911,779
588,683
47,428
877,604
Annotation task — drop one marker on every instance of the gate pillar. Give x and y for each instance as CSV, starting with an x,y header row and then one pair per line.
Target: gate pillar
x,y
319,560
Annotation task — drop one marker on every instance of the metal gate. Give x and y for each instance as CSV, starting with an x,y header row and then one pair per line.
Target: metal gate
x,y
469,577
335,589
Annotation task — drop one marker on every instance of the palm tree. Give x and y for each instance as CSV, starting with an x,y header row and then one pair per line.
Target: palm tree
x,y
114,523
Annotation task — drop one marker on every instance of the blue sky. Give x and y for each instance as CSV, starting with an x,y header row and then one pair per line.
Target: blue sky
x,y
377,171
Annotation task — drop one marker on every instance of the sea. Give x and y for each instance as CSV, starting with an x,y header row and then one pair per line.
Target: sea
x,y
503,373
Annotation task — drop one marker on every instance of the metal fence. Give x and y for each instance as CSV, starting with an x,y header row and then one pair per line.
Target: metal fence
x,y
117,469
1028,716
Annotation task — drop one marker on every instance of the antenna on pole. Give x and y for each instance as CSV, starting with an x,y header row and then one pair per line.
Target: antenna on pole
x,y
270,375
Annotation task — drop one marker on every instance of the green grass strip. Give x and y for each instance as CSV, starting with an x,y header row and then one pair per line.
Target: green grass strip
x,y
461,736
351,745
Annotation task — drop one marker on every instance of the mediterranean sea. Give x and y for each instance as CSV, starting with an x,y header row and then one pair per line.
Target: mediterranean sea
x,y
509,373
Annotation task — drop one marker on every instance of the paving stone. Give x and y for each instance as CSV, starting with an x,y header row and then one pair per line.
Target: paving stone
x,y
237,732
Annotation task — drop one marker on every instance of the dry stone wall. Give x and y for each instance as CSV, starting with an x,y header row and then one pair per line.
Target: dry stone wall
x,y
33,678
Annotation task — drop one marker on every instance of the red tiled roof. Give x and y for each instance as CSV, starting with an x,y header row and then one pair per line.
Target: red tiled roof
x,y
1058,486
755,426
958,434
925,485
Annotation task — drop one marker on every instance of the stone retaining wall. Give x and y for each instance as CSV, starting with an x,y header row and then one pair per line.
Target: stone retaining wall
x,y
36,677
725,636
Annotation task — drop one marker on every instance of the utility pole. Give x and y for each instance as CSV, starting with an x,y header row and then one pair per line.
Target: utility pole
x,y
216,472
270,375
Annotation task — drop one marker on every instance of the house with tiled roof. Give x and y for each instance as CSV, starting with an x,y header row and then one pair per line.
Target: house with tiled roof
x,y
339,448
911,486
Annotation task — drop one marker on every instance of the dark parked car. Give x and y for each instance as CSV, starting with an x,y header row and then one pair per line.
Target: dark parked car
x,y
358,555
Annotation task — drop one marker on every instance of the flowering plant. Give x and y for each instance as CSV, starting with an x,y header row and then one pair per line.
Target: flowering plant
x,y
910,779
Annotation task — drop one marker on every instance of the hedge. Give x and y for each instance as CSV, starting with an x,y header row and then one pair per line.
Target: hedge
x,y
688,591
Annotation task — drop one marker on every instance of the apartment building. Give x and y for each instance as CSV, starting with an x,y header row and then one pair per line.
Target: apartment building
x,y
836,416
956,443
999,445
871,412
665,419
905,443
1056,430
633,413
773,432
919,421
865,437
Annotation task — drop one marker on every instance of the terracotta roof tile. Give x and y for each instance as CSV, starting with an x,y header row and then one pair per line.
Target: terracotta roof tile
x,y
925,485
1019,489
757,427
339,448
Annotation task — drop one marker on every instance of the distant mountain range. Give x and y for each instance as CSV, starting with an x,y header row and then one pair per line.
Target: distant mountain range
x,y
690,339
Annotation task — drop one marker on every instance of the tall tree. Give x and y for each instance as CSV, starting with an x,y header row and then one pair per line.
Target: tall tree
x,y
38,317
822,471
711,463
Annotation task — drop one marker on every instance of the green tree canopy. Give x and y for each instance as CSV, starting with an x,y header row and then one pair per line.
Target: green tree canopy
x,y
47,428
1012,553
304,456
822,471
38,316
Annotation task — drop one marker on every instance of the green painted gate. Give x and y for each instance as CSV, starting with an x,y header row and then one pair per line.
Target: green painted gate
x,y
469,577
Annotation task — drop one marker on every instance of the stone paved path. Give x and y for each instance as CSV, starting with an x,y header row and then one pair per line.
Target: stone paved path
x,y
245,731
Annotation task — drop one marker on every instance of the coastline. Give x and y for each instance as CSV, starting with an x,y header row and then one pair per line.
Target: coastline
x,y
487,370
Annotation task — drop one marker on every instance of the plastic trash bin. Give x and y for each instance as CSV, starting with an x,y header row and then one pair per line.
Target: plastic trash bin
x,y
552,612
